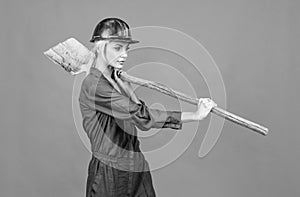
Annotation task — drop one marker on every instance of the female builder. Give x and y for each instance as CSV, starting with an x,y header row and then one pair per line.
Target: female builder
x,y
111,112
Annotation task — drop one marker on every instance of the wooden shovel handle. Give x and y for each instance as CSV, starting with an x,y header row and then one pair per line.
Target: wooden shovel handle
x,y
216,110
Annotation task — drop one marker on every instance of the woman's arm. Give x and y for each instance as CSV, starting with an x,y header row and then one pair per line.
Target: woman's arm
x,y
188,117
204,107
98,94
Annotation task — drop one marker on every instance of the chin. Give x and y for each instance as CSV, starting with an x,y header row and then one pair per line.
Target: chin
x,y
117,66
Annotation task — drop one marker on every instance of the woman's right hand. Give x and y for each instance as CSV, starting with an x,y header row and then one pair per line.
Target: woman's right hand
x,y
204,107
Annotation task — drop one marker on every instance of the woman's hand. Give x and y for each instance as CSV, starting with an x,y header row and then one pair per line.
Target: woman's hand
x,y
204,107
126,86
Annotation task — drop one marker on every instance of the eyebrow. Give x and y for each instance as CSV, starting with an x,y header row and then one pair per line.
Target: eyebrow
x,y
125,45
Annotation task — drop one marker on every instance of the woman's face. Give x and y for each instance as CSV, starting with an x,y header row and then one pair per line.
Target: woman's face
x,y
116,53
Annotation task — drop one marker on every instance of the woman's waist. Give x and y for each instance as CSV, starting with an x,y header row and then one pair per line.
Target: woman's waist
x,y
133,161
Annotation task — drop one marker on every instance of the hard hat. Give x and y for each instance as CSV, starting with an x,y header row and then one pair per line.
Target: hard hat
x,y
112,29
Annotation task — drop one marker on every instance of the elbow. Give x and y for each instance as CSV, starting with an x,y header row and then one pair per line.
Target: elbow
x,y
144,127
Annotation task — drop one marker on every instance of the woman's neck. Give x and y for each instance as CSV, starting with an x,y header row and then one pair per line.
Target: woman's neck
x,y
103,67
107,70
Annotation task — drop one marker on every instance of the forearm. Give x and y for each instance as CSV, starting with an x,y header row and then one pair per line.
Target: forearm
x,y
188,117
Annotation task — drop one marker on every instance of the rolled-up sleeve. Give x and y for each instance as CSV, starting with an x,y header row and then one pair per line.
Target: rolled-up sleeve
x,y
107,100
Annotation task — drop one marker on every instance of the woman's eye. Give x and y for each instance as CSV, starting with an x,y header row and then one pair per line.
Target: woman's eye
x,y
127,48
118,48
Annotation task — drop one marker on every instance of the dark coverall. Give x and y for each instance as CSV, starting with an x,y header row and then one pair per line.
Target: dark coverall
x,y
118,167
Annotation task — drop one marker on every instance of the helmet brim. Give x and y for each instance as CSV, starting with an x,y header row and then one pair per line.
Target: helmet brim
x,y
129,41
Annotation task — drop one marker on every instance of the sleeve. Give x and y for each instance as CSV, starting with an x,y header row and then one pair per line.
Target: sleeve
x,y
109,101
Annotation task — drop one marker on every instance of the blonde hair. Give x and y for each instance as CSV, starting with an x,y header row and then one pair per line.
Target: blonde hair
x,y
99,46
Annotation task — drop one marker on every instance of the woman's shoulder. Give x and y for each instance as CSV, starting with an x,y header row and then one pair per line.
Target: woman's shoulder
x,y
93,79
96,82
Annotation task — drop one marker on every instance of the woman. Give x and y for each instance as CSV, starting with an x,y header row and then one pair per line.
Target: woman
x,y
111,112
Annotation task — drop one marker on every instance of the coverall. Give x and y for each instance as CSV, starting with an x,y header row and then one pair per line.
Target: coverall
x,y
117,166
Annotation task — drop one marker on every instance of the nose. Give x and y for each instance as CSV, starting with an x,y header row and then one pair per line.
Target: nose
x,y
124,54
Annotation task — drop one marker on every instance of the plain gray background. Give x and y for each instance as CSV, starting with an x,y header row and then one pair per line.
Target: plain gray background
x,y
255,43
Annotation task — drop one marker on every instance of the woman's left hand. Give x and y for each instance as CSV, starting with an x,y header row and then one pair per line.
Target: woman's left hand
x,y
126,86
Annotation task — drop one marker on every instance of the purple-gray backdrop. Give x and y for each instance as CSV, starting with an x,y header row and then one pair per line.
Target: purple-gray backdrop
x,y
255,43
